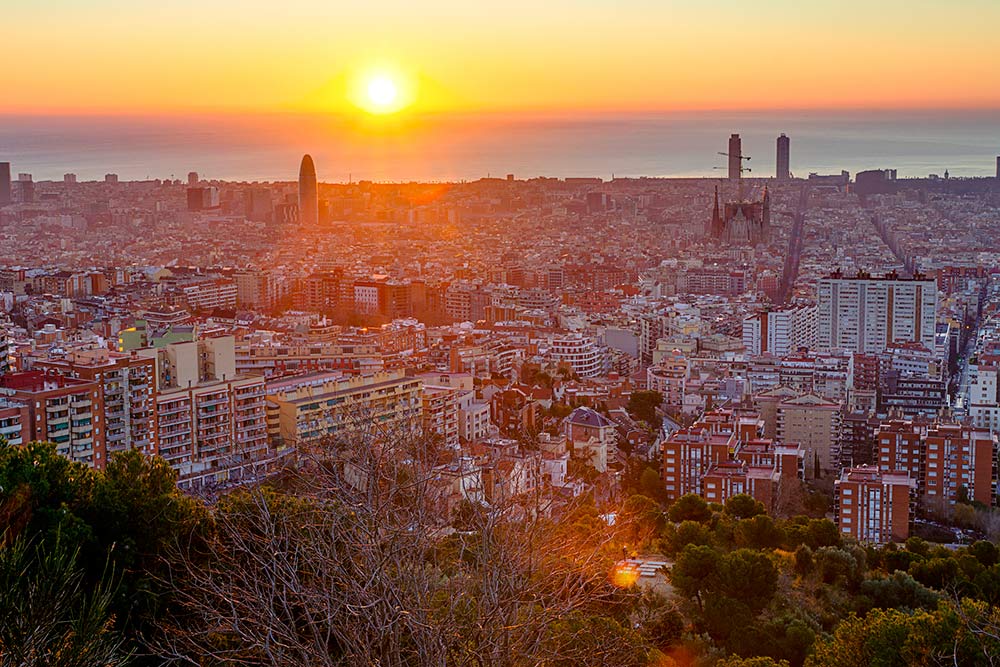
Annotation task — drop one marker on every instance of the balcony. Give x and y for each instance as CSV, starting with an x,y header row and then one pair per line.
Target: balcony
x,y
213,401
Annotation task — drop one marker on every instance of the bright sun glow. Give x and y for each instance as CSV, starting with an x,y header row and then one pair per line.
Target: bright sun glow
x,y
382,92
381,89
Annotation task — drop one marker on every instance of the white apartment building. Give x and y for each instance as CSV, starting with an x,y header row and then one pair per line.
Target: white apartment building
x,y
865,313
984,401
780,332
583,354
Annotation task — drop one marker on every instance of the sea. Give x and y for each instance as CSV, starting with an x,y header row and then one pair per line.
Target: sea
x,y
456,147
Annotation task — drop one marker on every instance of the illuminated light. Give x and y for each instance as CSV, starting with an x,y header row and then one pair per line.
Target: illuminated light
x,y
624,574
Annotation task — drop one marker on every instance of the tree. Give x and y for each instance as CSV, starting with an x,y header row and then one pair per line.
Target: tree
x,y
651,485
748,576
837,565
642,518
642,406
985,552
897,591
49,615
957,632
803,560
743,506
688,532
690,507
694,571
759,532
757,661
346,563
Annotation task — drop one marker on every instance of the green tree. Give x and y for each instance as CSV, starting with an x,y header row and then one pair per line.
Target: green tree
x,y
679,536
756,661
985,552
651,485
743,506
49,615
643,404
759,532
898,590
748,576
695,571
690,507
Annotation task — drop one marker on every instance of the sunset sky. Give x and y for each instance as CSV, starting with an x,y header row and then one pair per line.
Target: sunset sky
x,y
68,56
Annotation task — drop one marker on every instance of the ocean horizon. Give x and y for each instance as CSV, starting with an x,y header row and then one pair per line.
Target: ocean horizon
x,y
455,147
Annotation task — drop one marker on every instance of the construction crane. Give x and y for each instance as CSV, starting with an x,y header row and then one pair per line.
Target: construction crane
x,y
741,158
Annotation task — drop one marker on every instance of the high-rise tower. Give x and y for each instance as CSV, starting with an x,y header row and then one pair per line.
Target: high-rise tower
x,y
735,157
5,182
782,172
308,195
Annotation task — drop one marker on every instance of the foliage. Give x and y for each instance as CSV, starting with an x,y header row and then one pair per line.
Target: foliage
x,y
743,506
49,615
690,507
642,405
963,633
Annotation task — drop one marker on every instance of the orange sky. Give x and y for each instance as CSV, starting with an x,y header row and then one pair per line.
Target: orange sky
x,y
65,56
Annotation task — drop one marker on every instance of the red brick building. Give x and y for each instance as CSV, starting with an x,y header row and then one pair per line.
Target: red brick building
x,y
874,506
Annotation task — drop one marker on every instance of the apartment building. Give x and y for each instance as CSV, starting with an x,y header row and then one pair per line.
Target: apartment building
x,y
127,383
440,412
984,400
814,423
209,294
874,507
579,352
724,454
211,421
308,408
865,313
63,410
15,422
669,377
944,460
781,331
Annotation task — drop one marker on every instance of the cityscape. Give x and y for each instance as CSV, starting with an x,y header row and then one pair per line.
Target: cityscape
x,y
748,418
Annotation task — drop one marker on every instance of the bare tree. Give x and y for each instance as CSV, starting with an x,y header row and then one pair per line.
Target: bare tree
x,y
352,564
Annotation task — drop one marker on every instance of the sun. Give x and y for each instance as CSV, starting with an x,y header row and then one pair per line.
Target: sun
x,y
382,92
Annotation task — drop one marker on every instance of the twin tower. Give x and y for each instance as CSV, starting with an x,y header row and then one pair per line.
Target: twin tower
x,y
782,171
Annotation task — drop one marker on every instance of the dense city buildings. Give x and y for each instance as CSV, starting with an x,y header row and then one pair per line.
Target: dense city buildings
x,y
239,330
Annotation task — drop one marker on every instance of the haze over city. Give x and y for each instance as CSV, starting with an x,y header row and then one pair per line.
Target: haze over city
x,y
646,334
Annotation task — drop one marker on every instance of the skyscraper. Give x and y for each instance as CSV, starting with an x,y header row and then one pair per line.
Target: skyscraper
x,y
735,156
5,182
308,196
783,148
998,167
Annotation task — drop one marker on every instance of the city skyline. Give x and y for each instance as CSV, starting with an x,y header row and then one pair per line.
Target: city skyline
x,y
643,333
